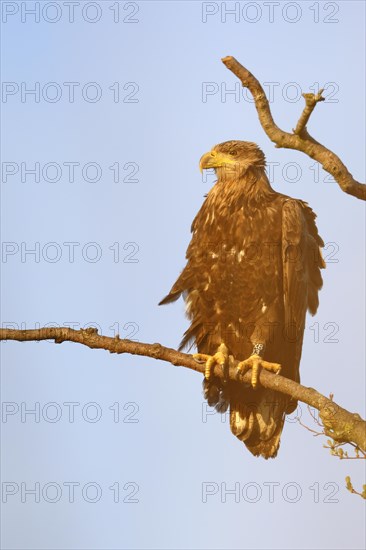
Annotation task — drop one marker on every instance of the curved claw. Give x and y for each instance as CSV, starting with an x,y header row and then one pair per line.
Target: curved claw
x,y
255,362
221,358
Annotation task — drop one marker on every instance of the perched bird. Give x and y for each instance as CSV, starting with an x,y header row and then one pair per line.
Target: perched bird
x,y
252,272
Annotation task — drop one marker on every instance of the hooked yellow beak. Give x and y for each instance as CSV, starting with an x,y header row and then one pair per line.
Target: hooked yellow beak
x,y
213,159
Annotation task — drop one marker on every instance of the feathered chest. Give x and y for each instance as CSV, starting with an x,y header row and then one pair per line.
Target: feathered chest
x,y
234,258
237,231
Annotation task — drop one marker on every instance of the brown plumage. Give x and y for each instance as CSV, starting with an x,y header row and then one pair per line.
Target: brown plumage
x,y
253,270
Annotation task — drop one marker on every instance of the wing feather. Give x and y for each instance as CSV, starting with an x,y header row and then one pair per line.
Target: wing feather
x,y
301,262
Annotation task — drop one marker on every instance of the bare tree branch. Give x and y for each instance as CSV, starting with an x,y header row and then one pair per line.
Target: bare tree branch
x,y
339,424
300,139
310,101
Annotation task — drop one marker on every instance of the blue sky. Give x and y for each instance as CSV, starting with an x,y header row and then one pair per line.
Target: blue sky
x,y
127,97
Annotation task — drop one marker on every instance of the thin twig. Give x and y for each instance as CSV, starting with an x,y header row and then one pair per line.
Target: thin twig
x,y
310,429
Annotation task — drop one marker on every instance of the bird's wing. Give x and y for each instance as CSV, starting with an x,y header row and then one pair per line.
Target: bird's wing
x,y
196,255
301,261
295,273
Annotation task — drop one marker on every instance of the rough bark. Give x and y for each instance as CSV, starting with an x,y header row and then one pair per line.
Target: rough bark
x,y
339,424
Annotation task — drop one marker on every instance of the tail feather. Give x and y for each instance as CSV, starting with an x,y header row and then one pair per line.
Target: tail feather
x,y
259,424
241,425
256,416
268,448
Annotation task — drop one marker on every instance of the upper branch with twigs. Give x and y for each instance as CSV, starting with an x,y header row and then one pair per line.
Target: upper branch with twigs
x,y
339,424
300,139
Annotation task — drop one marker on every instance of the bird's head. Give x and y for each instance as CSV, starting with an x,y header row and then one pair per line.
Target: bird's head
x,y
233,158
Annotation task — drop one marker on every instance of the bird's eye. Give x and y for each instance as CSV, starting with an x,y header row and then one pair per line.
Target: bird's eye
x,y
233,153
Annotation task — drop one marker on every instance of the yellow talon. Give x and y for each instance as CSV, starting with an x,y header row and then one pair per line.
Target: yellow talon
x,y
219,358
255,362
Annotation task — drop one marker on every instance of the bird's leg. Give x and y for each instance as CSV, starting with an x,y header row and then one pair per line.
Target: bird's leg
x,y
255,362
221,357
